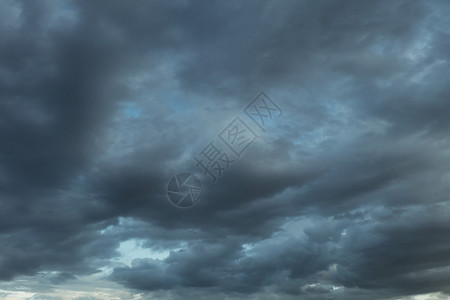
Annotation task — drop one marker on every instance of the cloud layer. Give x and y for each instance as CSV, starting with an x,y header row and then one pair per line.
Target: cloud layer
x,y
345,196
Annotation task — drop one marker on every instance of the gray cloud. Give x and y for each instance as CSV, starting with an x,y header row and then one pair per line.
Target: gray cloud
x,y
344,197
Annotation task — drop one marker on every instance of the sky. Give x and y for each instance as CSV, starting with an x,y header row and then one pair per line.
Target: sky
x,y
343,193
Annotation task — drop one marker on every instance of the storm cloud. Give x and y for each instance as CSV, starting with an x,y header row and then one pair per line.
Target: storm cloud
x,y
344,196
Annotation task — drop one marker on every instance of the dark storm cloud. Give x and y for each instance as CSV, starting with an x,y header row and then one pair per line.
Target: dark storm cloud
x,y
345,197
54,101
398,259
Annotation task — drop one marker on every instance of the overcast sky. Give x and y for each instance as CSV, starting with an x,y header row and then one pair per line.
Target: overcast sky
x,y
345,195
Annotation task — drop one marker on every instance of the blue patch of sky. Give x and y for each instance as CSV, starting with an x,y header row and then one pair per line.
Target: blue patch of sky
x,y
178,102
132,110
